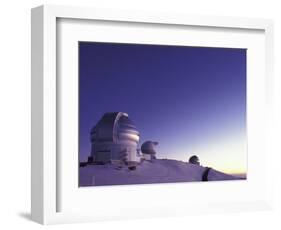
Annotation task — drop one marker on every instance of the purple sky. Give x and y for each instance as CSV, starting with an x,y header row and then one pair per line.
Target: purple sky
x,y
192,100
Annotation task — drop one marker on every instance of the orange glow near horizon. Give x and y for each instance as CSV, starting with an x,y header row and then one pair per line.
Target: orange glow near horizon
x,y
227,154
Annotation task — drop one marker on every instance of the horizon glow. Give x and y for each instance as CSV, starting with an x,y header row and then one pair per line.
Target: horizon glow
x,y
192,100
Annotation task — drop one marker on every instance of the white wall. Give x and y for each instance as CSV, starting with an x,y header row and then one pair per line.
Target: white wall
x,y
15,111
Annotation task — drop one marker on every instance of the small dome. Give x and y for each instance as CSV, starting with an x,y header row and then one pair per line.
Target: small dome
x,y
114,127
194,160
148,147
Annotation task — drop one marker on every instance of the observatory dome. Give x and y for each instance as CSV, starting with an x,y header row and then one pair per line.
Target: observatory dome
x,y
194,160
148,147
115,127
114,138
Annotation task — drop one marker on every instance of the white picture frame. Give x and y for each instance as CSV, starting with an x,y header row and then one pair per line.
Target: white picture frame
x,y
47,174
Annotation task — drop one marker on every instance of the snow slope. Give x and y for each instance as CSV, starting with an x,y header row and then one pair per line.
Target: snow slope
x,y
156,171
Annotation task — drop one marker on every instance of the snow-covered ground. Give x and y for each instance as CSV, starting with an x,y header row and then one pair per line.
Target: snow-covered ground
x,y
156,171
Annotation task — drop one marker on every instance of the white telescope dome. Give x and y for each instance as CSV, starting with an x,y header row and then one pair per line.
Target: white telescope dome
x,y
114,138
148,147
115,127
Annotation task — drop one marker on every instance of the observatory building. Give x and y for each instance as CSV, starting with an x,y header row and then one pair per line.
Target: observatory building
x,y
194,160
148,150
114,140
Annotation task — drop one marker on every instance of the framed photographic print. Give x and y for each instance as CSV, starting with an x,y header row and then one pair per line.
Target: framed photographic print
x,y
140,114
184,99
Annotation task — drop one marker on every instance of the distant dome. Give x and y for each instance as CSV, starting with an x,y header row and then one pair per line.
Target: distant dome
x,y
194,160
114,127
148,147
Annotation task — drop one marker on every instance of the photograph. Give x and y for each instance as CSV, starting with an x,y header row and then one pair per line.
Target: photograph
x,y
154,113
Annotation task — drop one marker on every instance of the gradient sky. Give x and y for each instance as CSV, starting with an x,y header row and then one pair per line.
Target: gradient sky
x,y
192,100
